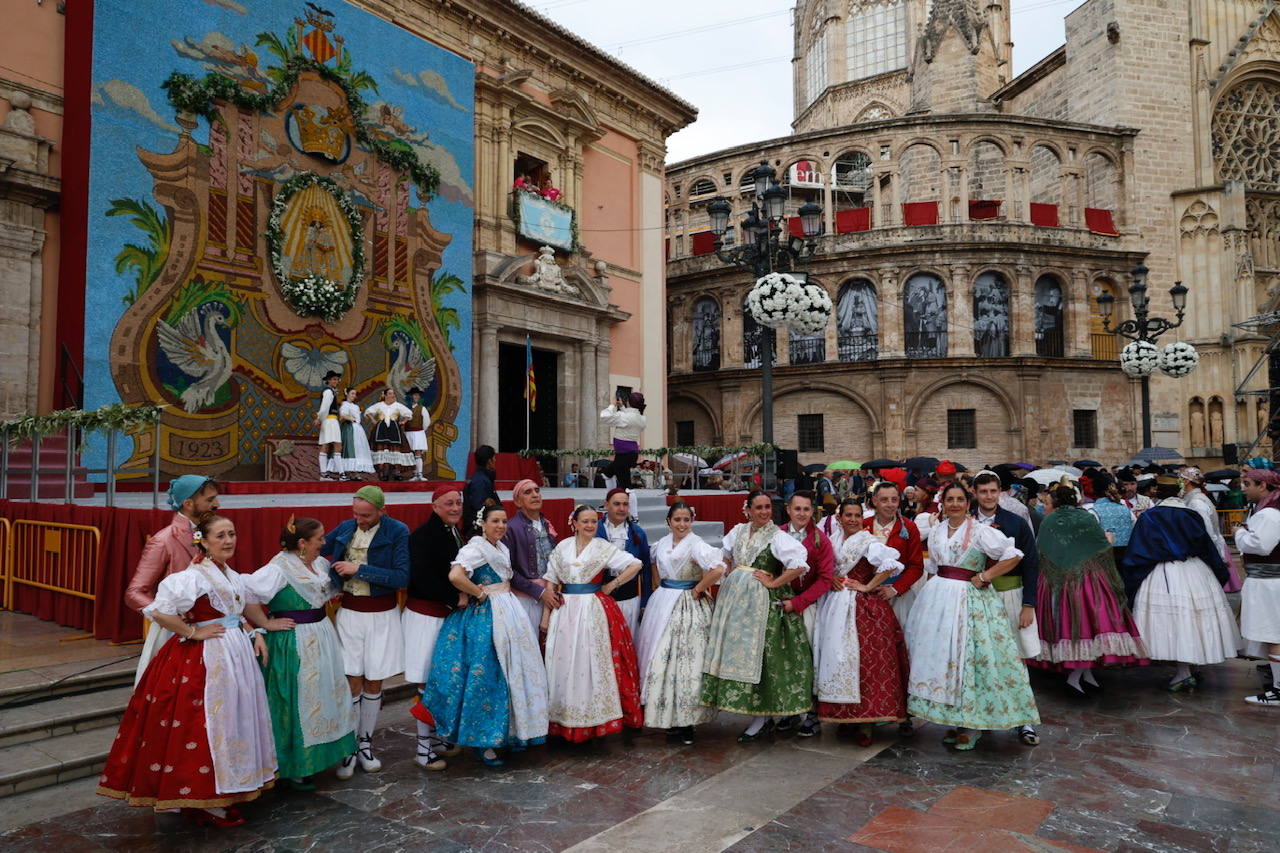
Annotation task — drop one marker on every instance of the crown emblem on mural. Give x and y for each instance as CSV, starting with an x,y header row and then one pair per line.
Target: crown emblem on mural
x,y
324,133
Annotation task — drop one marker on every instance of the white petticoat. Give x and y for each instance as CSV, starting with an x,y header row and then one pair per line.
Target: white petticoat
x,y
1182,614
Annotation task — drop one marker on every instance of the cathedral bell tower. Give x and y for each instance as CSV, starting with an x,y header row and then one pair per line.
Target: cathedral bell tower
x,y
962,55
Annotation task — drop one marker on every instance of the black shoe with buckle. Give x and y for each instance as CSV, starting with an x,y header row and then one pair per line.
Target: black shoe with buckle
x,y
766,730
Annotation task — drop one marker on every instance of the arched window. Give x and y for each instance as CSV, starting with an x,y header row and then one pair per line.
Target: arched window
x,y
924,313
876,39
751,337
1050,330
991,315
706,334
857,321
1104,345
701,187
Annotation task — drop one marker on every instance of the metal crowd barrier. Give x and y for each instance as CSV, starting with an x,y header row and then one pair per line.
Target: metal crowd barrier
x,y
52,556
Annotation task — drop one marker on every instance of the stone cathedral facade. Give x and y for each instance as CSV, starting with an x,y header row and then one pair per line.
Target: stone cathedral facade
x,y
972,218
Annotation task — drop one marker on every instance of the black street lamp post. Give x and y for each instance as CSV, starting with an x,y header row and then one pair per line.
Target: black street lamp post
x,y
766,247
1143,327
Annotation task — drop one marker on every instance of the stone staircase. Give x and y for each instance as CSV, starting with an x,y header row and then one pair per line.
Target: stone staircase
x,y
651,512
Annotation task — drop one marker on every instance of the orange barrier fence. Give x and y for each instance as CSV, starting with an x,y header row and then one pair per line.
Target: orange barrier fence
x,y
1229,518
6,536
51,556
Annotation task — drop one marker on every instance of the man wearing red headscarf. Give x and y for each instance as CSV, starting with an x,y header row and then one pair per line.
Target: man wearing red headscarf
x,y
432,597
1259,544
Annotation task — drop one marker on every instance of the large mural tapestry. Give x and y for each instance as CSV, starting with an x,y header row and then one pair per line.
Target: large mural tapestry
x,y
278,190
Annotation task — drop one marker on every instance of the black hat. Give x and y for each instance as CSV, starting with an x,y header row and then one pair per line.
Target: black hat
x,y
1126,476
417,391
332,374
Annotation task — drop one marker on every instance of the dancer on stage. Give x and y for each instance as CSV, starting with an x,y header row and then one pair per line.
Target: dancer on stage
x,y
356,458
809,588
966,669
169,550
433,548
860,659
307,694
1080,605
327,421
487,688
626,535
759,661
592,674
673,637
196,734
625,415
530,538
390,446
415,430
369,553
1180,608
901,534
1259,543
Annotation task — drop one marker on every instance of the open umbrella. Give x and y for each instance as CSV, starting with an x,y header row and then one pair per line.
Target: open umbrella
x,y
1157,454
1215,487
815,468
846,465
880,463
1070,470
921,463
1025,466
1222,474
690,459
599,463
730,458
1086,463
1047,476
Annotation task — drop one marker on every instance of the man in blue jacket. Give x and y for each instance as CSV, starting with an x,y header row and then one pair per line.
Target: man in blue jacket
x,y
369,554
624,533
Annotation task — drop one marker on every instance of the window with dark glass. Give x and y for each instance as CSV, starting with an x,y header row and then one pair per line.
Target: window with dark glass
x,y
962,429
809,434
1084,423
684,433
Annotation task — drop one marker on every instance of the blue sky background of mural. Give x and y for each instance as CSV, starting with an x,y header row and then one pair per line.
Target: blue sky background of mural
x,y
138,43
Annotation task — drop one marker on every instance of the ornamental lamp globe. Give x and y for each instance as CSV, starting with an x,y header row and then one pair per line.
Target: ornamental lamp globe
x,y
1138,290
1106,303
762,175
775,202
719,211
753,227
1179,295
811,218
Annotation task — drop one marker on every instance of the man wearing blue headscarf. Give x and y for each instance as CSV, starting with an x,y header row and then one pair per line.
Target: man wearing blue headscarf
x,y
170,550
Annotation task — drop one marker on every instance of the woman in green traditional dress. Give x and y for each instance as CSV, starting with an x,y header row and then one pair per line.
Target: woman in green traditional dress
x,y
307,691
966,669
758,660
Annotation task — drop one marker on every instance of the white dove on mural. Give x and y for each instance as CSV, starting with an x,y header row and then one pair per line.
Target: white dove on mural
x,y
198,351
409,368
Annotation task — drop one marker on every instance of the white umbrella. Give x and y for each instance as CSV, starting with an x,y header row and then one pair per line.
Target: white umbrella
x,y
1215,487
690,459
1047,476
729,459
1071,470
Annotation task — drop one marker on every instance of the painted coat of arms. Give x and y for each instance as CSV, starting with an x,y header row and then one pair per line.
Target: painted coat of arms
x,y
288,232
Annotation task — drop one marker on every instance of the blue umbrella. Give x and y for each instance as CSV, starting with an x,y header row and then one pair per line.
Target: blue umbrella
x,y
1086,463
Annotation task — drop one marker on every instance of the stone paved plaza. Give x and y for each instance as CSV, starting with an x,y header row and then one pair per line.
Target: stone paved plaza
x,y
1129,768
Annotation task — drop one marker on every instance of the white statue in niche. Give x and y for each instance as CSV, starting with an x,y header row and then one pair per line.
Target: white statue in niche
x,y
547,274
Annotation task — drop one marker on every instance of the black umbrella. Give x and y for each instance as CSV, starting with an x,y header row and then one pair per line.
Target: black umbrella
x,y
599,463
1086,463
921,463
1222,474
880,463
1158,454
815,468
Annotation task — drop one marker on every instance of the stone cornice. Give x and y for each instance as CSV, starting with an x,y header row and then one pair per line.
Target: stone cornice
x,y
45,101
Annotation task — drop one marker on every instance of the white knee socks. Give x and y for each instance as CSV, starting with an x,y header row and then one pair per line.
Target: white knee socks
x,y
324,464
756,725
1275,673
369,708
417,467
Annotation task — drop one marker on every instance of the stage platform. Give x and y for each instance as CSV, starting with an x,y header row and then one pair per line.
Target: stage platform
x,y
122,532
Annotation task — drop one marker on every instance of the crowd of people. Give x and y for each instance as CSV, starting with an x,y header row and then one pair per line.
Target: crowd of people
x,y
928,602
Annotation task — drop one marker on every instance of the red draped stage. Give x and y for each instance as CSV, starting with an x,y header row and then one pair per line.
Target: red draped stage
x,y
124,533
725,508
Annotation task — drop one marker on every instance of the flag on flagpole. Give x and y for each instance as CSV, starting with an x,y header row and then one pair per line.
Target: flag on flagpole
x,y
530,385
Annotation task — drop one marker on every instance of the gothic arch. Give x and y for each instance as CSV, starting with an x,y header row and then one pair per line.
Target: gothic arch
x,y
985,137
875,111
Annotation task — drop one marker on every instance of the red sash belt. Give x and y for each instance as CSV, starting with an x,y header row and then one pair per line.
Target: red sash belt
x,y
368,603
427,608
955,573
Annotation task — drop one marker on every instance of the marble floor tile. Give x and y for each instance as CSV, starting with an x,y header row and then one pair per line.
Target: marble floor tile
x,y
898,830
990,808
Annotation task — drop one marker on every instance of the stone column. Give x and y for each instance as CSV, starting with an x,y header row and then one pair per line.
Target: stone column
x,y
959,312
587,414
1077,344
890,343
487,416
1022,328
893,408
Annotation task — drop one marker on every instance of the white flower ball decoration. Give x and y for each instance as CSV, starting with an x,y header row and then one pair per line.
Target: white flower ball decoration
x,y
811,311
770,300
1178,359
1139,358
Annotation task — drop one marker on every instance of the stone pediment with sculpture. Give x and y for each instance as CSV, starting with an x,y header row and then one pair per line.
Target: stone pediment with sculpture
x,y
300,238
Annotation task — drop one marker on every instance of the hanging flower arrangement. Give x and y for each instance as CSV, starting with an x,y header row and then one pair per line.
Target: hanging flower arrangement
x,y
1178,359
781,301
314,295
811,311
1139,358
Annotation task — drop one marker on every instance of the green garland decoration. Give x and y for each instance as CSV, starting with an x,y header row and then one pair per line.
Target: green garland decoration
x,y
573,216
116,416
314,295
200,96
708,452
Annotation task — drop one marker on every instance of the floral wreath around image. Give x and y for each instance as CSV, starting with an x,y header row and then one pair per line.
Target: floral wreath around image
x,y
1178,359
314,295
1139,358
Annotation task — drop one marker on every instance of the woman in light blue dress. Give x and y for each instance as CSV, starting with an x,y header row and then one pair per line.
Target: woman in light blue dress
x,y
487,688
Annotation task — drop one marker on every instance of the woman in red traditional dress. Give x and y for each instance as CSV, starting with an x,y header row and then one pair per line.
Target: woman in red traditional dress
x,y
860,665
592,677
197,733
